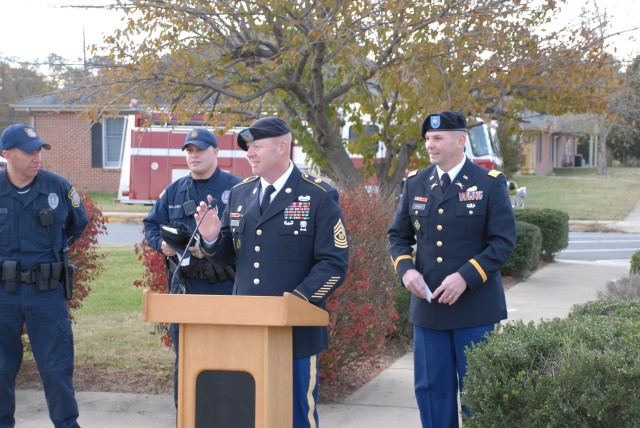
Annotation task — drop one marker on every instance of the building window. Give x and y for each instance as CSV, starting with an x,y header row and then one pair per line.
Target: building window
x,y
113,135
107,142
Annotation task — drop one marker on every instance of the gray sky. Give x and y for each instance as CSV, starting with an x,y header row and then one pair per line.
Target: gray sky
x,y
32,29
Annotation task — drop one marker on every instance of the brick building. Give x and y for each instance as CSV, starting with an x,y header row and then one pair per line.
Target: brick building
x,y
88,153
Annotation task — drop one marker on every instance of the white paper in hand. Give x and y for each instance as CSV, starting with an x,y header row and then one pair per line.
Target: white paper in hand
x,y
428,293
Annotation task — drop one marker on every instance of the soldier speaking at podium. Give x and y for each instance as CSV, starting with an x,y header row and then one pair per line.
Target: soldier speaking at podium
x,y
459,217
285,232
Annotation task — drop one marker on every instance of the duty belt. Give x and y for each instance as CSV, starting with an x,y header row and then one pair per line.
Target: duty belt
x,y
26,276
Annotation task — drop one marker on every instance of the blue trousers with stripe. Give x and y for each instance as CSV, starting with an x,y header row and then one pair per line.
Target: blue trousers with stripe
x,y
305,392
439,369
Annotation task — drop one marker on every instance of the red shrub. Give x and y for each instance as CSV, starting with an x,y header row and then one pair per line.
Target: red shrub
x,y
362,310
84,254
154,278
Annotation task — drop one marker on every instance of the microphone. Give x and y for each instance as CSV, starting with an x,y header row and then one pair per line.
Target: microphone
x,y
213,203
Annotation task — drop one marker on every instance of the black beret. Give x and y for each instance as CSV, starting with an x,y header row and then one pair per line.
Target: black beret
x,y
262,128
444,121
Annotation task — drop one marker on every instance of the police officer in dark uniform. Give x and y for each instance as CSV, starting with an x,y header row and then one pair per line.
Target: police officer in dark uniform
x,y
459,217
41,215
176,207
285,232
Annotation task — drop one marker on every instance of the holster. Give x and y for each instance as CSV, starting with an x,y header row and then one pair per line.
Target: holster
x,y
11,276
69,270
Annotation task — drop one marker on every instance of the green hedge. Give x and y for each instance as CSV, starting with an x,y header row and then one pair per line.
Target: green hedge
x,y
526,254
635,262
554,226
582,371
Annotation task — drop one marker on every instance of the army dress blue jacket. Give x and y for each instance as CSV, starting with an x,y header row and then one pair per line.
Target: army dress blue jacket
x,y
22,236
298,246
470,229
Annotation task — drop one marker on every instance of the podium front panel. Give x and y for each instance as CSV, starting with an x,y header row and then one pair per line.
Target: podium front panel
x,y
225,399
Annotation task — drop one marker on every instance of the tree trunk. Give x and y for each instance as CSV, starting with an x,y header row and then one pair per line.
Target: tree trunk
x,y
603,133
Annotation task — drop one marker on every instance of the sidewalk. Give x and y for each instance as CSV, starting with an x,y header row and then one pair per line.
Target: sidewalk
x,y
387,401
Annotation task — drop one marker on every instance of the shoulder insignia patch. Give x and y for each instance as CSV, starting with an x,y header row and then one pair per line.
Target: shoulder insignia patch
x,y
495,173
74,197
413,173
247,181
340,235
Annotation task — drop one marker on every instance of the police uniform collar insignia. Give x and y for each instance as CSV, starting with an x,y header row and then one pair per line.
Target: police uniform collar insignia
x,y
53,201
433,185
459,185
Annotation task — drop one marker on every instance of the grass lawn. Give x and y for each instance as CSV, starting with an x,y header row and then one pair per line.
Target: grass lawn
x,y
106,202
109,330
583,194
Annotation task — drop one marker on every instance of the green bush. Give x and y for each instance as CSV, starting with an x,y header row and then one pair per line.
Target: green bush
x,y
582,371
526,254
554,226
635,262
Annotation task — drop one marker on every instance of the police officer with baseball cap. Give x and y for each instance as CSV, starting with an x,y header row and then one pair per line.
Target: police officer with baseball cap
x,y
41,215
458,216
285,231
174,211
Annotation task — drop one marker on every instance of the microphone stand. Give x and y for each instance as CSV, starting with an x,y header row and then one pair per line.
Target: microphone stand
x,y
182,289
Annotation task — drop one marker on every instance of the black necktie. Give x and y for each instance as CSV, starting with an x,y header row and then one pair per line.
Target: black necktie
x,y
446,180
266,198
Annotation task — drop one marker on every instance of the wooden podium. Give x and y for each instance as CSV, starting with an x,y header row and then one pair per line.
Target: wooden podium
x,y
235,356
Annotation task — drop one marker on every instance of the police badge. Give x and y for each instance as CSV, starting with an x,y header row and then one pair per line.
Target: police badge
x,y
53,201
225,197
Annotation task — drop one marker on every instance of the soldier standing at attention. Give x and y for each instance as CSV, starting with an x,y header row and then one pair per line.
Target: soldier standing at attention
x,y
176,207
285,232
459,217
41,215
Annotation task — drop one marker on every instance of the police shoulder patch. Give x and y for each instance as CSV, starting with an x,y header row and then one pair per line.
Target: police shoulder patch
x,y
247,181
413,173
74,197
495,173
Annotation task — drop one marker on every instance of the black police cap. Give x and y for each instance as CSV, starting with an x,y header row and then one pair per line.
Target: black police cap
x,y
262,128
444,121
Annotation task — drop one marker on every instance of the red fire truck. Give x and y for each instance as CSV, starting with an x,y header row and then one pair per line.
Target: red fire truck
x,y
153,156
